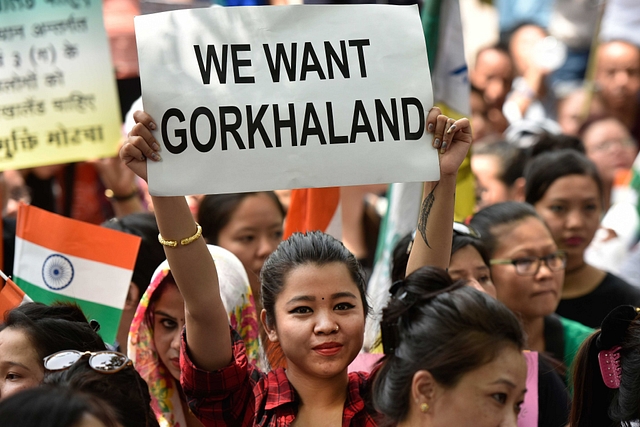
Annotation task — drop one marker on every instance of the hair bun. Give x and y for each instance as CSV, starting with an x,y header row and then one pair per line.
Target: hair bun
x,y
614,326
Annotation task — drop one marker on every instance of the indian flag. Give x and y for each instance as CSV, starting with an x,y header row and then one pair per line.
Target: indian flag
x,y
61,259
11,296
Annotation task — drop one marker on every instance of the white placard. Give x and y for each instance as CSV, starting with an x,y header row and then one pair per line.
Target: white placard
x,y
261,98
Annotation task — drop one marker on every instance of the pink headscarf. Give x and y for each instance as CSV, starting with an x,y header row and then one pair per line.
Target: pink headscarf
x,y
238,300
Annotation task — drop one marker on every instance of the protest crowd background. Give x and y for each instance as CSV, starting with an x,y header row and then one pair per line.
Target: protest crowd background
x,y
444,314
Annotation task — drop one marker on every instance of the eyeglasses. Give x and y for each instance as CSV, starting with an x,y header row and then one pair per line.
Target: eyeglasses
x,y
106,362
611,143
530,265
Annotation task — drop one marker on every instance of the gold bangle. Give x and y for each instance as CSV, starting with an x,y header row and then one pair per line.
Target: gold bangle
x,y
184,242
109,194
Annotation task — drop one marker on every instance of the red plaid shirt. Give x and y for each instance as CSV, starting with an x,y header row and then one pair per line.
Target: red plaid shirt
x,y
240,395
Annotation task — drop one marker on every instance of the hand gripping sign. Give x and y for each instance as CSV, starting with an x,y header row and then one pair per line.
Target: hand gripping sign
x,y
261,98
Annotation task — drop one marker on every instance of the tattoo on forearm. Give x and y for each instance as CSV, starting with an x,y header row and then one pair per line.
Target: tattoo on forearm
x,y
425,210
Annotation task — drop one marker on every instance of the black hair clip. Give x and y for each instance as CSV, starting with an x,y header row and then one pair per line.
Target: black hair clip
x,y
614,326
94,325
393,290
390,336
407,298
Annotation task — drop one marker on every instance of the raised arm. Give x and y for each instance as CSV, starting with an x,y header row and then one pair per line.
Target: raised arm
x,y
208,338
432,245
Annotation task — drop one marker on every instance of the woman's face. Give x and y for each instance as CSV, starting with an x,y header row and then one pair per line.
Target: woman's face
x,y
490,188
20,366
530,296
168,321
319,320
571,208
466,263
609,145
253,233
489,396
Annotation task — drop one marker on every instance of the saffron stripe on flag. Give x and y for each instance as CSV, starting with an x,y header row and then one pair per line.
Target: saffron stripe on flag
x,y
11,296
89,241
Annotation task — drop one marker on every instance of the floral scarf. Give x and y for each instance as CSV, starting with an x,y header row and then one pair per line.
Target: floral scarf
x,y
238,300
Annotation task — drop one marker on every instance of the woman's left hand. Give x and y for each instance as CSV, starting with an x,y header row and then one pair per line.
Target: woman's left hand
x,y
451,137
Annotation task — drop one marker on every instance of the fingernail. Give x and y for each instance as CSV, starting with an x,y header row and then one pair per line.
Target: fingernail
x,y
444,147
451,129
436,143
152,126
156,157
143,158
155,146
430,127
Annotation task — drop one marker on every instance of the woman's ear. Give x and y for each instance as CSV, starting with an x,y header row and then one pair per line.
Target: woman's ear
x,y
423,390
133,297
516,191
271,331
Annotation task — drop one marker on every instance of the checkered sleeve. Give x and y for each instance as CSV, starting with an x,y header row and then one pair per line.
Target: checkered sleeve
x,y
224,397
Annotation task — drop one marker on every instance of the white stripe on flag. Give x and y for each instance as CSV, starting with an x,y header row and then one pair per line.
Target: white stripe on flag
x,y
92,281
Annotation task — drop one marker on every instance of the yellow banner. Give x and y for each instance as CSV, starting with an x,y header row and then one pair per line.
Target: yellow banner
x,y
58,99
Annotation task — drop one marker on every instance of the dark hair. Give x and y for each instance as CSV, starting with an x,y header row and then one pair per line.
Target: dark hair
x,y
498,47
512,159
594,404
150,254
124,390
485,220
461,241
446,330
54,328
400,257
46,406
546,168
215,211
313,247
550,142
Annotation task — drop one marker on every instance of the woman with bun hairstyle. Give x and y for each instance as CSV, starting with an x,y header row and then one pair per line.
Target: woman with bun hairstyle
x,y
453,356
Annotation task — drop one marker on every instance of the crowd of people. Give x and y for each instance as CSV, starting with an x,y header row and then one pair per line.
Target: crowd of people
x,y
522,315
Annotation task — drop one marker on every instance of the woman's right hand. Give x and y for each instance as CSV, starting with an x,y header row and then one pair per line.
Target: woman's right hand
x,y
140,145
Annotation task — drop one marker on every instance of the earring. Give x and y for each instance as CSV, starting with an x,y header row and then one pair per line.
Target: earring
x,y
424,408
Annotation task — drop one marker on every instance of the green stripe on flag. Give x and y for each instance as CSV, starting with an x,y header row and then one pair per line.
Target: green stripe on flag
x,y
108,317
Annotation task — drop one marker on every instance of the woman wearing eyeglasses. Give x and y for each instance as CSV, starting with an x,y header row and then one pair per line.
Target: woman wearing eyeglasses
x,y
566,190
527,269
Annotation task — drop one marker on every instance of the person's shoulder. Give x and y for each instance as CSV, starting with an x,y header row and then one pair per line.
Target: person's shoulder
x,y
575,329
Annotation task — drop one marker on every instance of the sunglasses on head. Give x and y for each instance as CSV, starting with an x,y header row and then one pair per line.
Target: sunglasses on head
x,y
105,362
